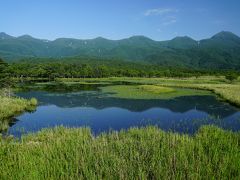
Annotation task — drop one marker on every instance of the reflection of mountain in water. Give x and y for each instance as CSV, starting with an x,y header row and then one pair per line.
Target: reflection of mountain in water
x,y
98,100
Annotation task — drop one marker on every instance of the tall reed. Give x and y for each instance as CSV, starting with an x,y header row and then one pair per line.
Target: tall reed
x,y
146,153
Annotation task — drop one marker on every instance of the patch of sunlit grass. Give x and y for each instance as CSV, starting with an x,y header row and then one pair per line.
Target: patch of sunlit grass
x,y
10,106
148,92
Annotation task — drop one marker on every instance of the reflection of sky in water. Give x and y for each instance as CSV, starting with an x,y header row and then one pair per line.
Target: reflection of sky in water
x,y
102,113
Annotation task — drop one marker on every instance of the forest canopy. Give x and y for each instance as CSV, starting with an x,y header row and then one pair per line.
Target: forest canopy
x,y
79,67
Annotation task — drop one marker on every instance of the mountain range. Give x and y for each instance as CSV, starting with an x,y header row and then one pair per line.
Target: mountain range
x,y
221,51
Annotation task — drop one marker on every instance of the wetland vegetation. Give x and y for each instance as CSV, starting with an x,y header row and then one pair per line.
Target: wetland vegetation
x,y
138,128
10,106
145,153
149,92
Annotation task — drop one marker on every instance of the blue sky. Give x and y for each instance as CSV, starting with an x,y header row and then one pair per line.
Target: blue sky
x,y
117,19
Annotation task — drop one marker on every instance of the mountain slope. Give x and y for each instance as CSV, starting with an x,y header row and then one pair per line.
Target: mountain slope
x,y
222,51
181,43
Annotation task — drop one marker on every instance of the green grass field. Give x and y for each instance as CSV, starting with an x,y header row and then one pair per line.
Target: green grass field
x,y
146,153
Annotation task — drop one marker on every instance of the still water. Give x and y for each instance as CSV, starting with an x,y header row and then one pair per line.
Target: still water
x,y
100,112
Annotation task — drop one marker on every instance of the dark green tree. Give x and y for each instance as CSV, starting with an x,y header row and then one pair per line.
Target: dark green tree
x,y
5,80
3,75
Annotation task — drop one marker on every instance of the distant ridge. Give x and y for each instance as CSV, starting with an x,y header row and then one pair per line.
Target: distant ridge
x,y
222,34
5,36
221,51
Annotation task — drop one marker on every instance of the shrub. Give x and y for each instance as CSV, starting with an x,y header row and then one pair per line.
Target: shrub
x,y
231,76
33,101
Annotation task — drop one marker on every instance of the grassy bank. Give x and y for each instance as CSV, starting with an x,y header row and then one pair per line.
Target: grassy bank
x,y
63,153
202,79
229,91
149,92
10,106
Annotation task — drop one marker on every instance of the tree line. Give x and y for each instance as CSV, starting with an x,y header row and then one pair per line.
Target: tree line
x,y
92,68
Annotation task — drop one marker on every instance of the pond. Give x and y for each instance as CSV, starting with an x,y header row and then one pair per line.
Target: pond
x,y
92,108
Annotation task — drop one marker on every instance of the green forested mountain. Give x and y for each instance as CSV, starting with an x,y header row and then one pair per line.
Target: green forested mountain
x,y
222,51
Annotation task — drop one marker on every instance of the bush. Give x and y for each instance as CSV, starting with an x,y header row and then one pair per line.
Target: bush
x,y
33,101
231,76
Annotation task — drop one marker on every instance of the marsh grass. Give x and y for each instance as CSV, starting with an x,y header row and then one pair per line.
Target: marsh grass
x,y
152,81
156,89
228,92
10,106
145,153
138,153
216,84
148,92
92,81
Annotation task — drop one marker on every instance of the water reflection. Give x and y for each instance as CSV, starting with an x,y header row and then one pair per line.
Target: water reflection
x,y
99,100
102,113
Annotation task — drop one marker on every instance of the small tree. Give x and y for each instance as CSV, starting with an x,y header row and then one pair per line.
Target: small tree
x,y
231,77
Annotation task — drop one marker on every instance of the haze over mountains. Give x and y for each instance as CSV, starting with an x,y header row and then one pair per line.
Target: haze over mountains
x,y
221,51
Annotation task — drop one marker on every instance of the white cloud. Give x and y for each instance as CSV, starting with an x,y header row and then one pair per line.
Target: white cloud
x,y
168,20
167,23
159,11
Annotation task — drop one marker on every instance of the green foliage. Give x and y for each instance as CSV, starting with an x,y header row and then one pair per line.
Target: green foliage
x,y
5,80
231,76
2,72
79,67
146,153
